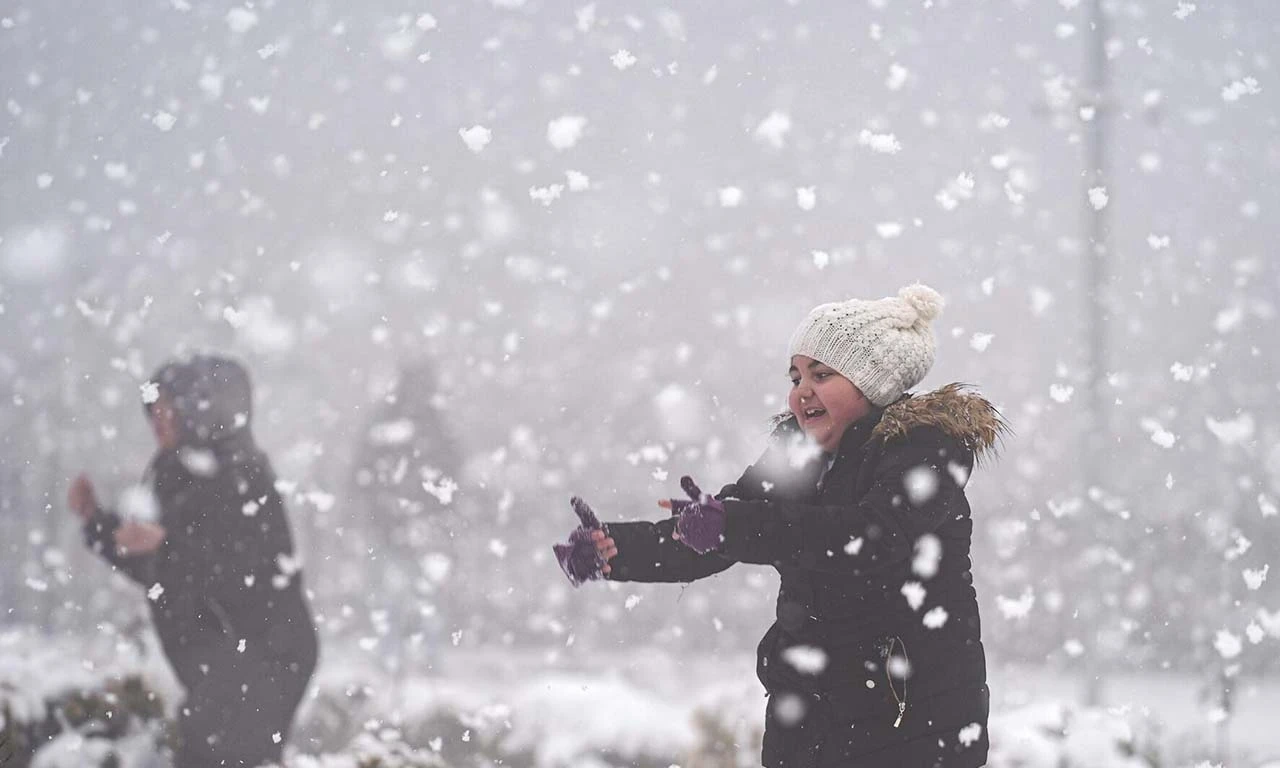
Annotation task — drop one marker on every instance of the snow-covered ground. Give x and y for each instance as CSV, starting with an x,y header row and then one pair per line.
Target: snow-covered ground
x,y
562,708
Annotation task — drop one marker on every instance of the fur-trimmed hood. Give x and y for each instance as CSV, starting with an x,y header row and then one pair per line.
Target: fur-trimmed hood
x,y
957,410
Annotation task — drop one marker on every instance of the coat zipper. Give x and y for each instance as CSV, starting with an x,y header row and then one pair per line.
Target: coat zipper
x,y
902,702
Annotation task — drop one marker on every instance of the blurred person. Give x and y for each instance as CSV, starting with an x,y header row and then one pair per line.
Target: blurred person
x,y
218,563
876,658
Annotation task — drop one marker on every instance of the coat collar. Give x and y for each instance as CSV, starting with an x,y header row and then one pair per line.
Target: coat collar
x,y
857,433
956,409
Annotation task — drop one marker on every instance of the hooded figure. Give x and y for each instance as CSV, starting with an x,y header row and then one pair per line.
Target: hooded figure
x,y
224,586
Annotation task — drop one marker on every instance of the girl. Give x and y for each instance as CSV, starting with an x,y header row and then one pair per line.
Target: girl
x,y
875,658
224,587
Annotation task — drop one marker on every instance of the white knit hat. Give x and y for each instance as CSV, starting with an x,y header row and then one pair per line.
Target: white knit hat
x,y
884,347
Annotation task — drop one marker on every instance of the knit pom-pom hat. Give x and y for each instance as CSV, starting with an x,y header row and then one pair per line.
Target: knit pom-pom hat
x,y
884,346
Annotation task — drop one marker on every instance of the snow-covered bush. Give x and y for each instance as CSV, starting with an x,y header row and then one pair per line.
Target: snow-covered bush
x,y
1057,735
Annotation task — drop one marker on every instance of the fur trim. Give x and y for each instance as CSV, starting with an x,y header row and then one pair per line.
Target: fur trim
x,y
956,410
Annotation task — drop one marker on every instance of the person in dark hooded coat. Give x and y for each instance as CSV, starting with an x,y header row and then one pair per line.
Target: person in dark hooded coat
x,y
222,577
875,659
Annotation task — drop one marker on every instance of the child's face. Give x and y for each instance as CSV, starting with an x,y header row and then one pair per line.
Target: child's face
x,y
824,402
164,423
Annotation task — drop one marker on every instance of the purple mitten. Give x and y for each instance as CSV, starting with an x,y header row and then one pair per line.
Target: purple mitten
x,y
578,558
700,522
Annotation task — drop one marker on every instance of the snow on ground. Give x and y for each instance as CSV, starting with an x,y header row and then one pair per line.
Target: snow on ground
x,y
554,708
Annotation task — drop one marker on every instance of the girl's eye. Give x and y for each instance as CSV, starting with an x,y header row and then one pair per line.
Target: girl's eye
x,y
795,382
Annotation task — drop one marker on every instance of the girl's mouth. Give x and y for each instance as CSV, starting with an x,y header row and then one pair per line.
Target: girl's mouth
x,y
813,413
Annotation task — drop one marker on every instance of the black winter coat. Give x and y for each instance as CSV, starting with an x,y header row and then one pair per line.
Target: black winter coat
x,y
224,588
226,570
875,658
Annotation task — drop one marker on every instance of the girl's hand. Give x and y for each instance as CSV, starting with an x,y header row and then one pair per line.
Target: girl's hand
x,y
81,498
605,548
133,538
584,557
700,522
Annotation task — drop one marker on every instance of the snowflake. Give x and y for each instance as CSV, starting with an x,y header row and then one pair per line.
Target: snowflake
x,y
970,734
885,143
806,198
1246,87
1254,579
564,132
730,197
773,129
623,59
915,593
1098,198
806,659
936,618
476,137
1228,644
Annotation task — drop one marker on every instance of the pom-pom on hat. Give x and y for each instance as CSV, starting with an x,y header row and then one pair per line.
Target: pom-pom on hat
x,y
884,346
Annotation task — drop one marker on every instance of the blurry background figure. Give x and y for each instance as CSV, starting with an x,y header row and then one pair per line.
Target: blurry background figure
x,y
214,551
403,486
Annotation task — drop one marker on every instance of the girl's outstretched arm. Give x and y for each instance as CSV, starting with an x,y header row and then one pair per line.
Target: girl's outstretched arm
x,y
918,485
647,552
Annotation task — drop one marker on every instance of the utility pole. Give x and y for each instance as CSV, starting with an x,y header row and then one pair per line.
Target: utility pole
x,y
1096,114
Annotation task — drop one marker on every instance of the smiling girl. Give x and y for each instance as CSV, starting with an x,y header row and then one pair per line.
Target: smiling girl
x,y
876,657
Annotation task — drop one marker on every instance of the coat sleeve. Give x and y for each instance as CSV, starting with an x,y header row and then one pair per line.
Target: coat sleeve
x,y
99,535
917,485
646,552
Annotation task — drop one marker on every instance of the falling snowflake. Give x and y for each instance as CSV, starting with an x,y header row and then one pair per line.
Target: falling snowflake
x,y
1246,87
1098,198
773,129
1061,393
1016,608
885,143
1228,644
1232,431
888,229
1254,579
476,137
806,198
1163,437
980,341
936,618
163,120
915,593
970,734
897,77
806,659
241,20
730,197
564,131
921,484
546,195
623,59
